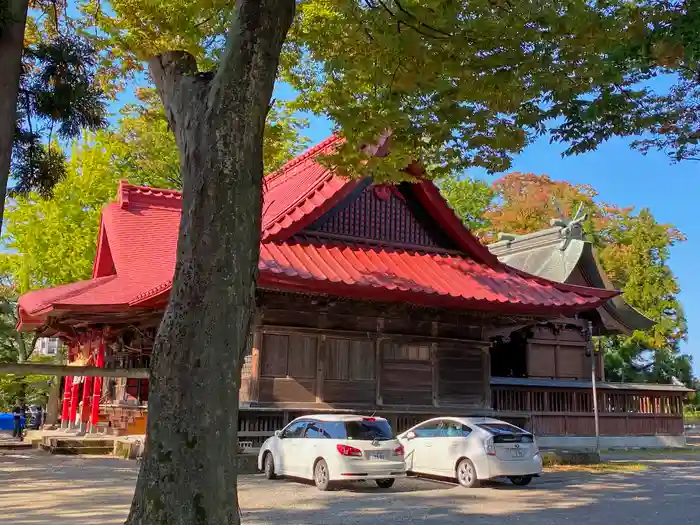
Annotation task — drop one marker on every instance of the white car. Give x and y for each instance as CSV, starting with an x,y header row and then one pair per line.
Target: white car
x,y
331,448
470,449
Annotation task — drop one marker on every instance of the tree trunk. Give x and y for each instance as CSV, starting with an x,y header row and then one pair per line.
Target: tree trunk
x,y
188,474
53,404
11,47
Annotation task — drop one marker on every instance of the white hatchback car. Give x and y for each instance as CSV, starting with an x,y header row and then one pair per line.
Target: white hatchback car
x,y
331,448
471,449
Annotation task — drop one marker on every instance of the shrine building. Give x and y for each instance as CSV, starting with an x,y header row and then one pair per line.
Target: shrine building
x,y
370,298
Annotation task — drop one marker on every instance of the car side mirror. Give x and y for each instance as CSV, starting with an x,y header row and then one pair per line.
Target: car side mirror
x,y
410,435
278,433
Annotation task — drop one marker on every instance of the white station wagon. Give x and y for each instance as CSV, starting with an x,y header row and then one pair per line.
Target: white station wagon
x,y
470,449
331,448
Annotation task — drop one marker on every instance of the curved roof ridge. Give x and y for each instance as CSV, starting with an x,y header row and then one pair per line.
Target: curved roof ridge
x,y
271,178
127,192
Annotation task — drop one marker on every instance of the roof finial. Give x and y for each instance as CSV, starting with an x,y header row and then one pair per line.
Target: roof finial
x,y
570,228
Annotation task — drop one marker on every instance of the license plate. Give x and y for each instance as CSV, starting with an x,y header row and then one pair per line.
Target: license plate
x,y
517,453
375,455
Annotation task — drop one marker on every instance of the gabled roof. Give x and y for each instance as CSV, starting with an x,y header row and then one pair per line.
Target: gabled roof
x,y
563,254
136,254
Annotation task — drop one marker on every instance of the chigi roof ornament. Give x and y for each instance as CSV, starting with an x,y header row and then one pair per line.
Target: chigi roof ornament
x,y
571,228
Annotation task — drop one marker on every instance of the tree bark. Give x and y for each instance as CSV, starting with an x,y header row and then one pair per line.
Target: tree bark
x,y
188,474
11,47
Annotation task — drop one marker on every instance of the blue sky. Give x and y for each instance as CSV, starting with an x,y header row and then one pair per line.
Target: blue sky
x,y
621,176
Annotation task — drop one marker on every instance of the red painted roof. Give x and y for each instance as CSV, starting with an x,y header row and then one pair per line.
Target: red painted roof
x,y
301,191
421,278
137,245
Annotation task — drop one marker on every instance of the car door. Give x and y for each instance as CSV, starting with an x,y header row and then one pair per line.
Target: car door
x,y
291,443
419,450
313,446
449,446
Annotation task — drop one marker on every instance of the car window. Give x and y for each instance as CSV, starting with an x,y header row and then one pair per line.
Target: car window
x,y
453,429
368,429
335,429
502,428
316,430
428,430
295,430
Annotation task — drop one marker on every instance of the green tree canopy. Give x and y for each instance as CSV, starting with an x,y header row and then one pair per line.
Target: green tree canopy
x,y
651,90
470,198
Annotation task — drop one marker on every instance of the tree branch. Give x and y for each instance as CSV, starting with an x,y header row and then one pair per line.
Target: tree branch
x,y
168,70
32,345
411,26
253,47
411,15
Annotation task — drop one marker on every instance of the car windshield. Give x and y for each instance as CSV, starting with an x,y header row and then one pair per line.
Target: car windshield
x,y
368,430
501,428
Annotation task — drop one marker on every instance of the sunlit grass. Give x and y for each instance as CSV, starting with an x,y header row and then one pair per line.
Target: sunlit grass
x,y
605,467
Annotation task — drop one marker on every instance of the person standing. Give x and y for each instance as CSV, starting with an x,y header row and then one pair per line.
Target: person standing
x,y
17,421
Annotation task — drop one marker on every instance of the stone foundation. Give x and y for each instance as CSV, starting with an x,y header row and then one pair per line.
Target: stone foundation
x,y
610,442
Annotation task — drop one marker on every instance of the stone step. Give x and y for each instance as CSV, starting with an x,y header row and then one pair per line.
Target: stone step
x,y
60,442
14,445
72,451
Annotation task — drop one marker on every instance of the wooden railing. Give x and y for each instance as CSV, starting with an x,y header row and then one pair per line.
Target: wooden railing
x,y
534,400
560,412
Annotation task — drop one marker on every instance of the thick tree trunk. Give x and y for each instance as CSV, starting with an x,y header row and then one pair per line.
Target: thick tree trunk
x,y
11,47
188,475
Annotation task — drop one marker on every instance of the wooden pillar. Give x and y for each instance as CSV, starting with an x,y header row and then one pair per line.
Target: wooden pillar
x,y
378,344
435,366
320,367
85,403
87,395
75,391
97,388
65,409
254,383
486,363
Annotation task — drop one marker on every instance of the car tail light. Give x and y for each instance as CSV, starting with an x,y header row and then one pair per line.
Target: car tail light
x,y
490,447
398,451
347,450
368,419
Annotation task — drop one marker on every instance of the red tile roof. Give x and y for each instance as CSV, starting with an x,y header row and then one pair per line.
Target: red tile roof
x,y
137,245
421,278
301,191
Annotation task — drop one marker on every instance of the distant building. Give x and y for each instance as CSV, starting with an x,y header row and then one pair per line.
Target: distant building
x,y
47,346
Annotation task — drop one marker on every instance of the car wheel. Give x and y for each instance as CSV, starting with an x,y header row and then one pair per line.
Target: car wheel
x,y
466,474
385,483
520,481
269,466
321,475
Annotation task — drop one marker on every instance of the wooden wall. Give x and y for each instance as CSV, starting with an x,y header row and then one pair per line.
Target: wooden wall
x,y
398,363
352,370
559,352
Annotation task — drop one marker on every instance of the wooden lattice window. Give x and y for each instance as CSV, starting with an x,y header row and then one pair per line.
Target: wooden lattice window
x,y
407,352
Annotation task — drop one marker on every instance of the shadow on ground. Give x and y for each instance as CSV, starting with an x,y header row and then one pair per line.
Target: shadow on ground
x,y
51,490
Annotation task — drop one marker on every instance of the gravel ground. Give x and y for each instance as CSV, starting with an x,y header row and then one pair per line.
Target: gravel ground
x,y
39,489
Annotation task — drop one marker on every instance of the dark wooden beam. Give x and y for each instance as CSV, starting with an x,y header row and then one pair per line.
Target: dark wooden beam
x,y
63,370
